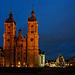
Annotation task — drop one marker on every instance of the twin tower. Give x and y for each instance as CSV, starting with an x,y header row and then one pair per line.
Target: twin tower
x,y
21,52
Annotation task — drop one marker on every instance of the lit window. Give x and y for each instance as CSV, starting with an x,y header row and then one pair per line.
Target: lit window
x,y
19,66
18,62
23,63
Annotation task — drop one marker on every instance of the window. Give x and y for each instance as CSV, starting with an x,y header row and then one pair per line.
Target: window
x,y
31,39
8,32
18,58
32,31
8,26
19,63
31,25
41,59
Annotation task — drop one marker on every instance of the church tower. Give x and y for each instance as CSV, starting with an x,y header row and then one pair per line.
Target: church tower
x,y
32,41
9,43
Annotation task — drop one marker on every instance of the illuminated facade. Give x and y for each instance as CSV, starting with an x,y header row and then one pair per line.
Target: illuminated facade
x,y
41,58
1,57
21,52
72,61
32,41
60,62
9,41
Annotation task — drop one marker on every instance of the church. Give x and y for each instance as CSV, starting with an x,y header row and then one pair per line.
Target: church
x,y
18,50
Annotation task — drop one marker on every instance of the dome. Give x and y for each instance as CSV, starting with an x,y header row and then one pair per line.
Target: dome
x,y
32,18
10,19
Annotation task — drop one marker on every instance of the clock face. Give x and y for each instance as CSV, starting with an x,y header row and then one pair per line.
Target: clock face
x,y
31,39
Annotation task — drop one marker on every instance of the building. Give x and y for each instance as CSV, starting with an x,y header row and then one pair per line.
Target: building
x,y
32,41
20,51
41,58
66,63
60,62
51,63
72,61
1,57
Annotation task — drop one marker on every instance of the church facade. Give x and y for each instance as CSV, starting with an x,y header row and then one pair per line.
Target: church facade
x,y
18,50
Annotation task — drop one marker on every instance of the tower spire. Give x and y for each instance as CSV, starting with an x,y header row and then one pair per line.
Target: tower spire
x,y
20,26
20,29
32,18
10,14
32,13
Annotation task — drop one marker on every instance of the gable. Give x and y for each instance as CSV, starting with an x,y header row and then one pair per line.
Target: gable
x,y
20,38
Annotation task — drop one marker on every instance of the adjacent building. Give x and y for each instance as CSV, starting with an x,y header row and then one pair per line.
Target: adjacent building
x,y
72,61
41,58
51,63
60,62
1,57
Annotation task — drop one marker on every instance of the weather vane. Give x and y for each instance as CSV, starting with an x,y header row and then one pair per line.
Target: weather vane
x,y
32,6
10,8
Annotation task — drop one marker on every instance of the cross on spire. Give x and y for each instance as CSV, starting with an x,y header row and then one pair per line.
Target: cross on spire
x,y
32,6
10,8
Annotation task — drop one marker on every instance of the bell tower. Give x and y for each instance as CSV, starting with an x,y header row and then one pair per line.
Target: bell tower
x,y
9,40
32,41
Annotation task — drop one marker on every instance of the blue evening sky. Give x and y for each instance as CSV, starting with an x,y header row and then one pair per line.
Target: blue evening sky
x,y
56,20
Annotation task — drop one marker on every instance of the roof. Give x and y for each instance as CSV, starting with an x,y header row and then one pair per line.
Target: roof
x,y
41,52
20,37
51,60
66,60
10,19
32,18
72,57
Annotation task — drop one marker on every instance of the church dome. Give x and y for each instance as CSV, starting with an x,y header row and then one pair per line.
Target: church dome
x,y
32,18
10,19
